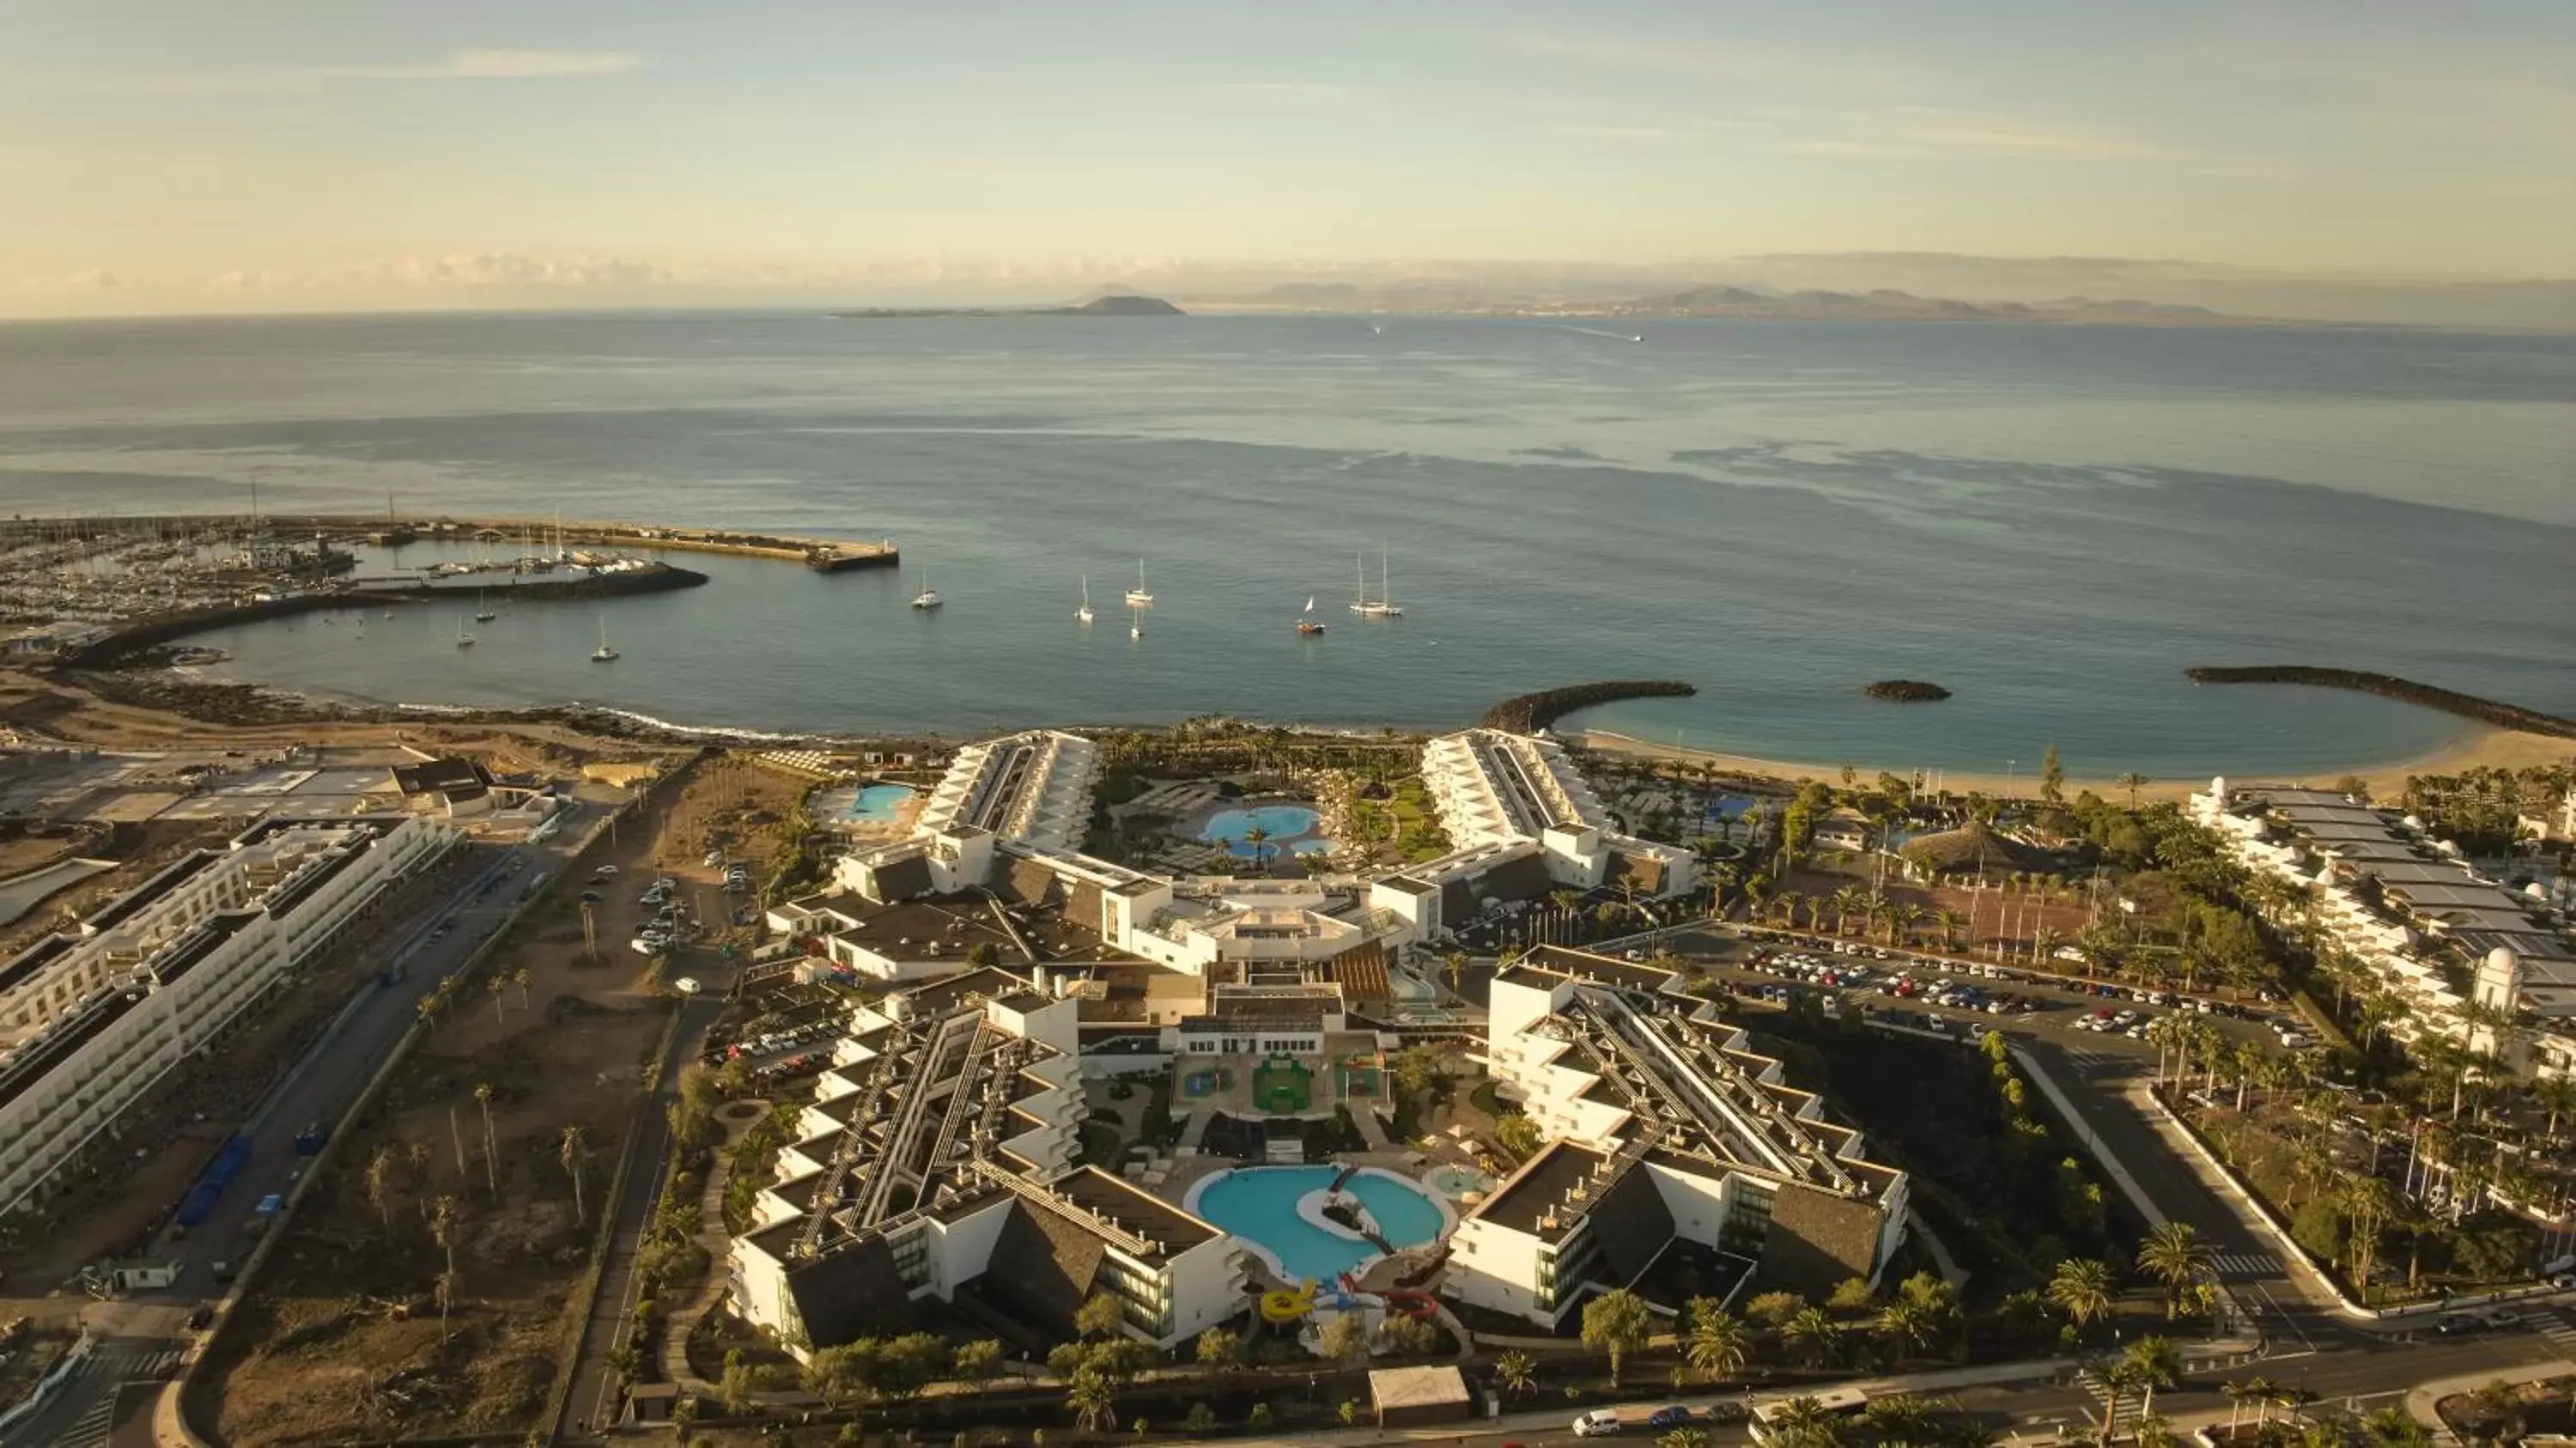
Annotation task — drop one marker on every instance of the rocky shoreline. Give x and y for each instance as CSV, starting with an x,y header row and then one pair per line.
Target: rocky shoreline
x,y
1906,691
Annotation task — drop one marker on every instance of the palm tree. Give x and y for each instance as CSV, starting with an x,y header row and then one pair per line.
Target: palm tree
x,y
491,1150
1847,903
1814,1335
2081,1288
2174,1255
2132,782
2152,1362
1898,1421
384,1184
1903,917
2044,941
1908,1326
1719,1340
522,979
571,1156
1516,1373
1802,1422
1256,837
1951,923
1093,1401
497,986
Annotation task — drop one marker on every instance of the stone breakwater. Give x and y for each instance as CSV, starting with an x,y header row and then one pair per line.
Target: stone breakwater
x,y
151,632
2389,686
1529,713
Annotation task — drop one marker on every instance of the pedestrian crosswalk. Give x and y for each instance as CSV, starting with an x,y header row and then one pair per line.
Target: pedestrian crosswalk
x,y
2560,1332
2242,1266
106,1371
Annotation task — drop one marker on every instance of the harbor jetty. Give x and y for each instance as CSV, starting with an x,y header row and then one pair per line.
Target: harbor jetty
x,y
152,631
546,535
2389,686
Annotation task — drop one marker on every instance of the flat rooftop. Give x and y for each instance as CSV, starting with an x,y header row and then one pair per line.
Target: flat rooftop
x,y
1539,1188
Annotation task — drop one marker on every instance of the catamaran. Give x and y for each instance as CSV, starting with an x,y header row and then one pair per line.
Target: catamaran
x,y
603,654
929,597
1382,606
1083,614
1137,597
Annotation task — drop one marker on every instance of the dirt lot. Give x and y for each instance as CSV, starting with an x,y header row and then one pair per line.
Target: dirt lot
x,y
2007,916
344,1338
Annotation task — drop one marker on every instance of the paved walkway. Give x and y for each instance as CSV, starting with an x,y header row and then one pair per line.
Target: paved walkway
x,y
1195,1130
712,1236
1370,1128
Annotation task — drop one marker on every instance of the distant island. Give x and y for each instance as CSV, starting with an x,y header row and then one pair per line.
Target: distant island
x,y
1744,303
1906,691
1116,304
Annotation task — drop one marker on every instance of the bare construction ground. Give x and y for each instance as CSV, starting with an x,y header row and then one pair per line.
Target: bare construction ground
x,y
429,1282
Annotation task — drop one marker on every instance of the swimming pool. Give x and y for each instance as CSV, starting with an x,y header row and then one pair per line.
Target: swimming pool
x,y
875,804
1289,827
1259,1204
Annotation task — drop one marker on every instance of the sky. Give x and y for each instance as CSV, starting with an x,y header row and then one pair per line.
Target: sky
x,y
174,155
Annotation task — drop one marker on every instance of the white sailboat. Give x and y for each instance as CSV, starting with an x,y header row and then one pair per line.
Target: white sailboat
x,y
603,654
482,608
1309,626
1137,597
1083,614
929,597
1382,606
464,640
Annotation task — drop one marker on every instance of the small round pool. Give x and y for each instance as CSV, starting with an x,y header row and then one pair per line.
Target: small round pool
x,y
1259,1204
1289,827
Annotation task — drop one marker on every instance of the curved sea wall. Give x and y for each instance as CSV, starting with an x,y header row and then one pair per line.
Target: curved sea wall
x,y
1529,713
657,578
2389,686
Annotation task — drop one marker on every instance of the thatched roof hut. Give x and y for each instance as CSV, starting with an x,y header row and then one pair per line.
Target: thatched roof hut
x,y
1971,847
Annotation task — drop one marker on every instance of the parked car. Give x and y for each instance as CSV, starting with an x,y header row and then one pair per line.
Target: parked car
x,y
1671,1416
1599,1423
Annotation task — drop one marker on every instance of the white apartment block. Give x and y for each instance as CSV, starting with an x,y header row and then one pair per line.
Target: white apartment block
x,y
1662,1128
938,1159
92,1019
1524,823
2341,852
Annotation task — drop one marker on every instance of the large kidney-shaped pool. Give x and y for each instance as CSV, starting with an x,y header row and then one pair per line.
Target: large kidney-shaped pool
x,y
1289,827
1259,1204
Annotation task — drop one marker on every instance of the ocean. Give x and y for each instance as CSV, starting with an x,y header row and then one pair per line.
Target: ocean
x,y
2051,521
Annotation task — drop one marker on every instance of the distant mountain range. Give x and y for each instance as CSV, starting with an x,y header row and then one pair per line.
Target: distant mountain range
x,y
1108,304
1882,305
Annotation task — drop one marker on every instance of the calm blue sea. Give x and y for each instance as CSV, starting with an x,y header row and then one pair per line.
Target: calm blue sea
x,y
2051,521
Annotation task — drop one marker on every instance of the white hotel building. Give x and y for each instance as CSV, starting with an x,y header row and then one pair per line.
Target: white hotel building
x,y
937,1160
1662,1128
1010,813
92,1019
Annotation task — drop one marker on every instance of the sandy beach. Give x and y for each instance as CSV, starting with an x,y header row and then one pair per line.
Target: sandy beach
x,y
2482,748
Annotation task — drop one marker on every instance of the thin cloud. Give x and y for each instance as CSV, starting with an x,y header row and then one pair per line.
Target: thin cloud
x,y
1285,90
1937,133
498,65
1621,135
1749,64
464,65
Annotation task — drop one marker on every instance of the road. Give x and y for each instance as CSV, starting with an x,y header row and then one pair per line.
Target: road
x,y
319,1087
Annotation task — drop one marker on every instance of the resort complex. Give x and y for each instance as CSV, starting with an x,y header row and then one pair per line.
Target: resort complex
x,y
939,1154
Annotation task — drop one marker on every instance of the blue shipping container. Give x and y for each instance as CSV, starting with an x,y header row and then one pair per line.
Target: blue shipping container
x,y
228,1163
200,1204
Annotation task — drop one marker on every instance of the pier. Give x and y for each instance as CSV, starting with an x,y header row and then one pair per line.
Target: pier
x,y
823,555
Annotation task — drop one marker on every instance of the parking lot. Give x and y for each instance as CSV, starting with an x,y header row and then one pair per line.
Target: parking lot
x,y
1945,997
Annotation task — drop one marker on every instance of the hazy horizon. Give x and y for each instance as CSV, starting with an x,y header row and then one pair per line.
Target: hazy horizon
x,y
289,156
